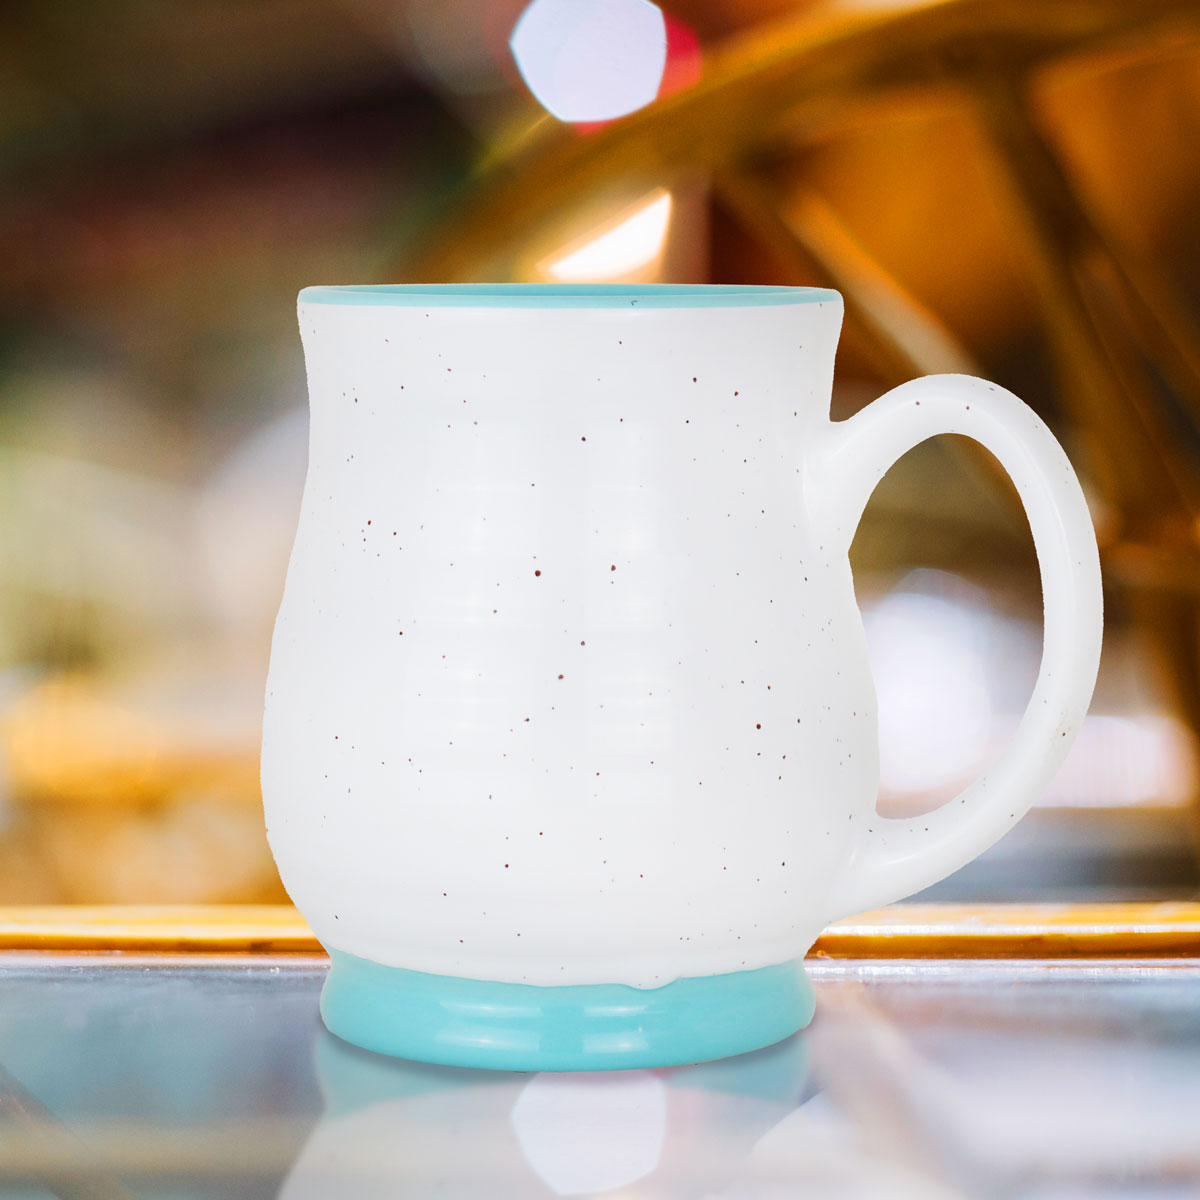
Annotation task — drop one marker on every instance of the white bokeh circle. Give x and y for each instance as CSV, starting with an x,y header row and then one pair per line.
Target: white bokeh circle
x,y
591,60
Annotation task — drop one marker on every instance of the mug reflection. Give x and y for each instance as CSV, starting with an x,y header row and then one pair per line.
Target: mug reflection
x,y
396,1127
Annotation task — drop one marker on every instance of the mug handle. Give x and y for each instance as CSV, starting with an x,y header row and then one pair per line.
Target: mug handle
x,y
891,858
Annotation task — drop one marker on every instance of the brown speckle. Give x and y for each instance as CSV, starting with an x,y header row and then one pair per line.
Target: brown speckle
x,y
537,572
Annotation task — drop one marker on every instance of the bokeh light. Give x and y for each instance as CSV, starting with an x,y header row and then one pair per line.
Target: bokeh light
x,y
591,60
928,655
627,249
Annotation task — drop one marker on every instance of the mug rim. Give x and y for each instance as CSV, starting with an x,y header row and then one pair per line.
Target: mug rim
x,y
566,295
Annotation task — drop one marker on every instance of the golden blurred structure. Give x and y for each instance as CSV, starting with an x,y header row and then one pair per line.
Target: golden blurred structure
x,y
127,800
1002,82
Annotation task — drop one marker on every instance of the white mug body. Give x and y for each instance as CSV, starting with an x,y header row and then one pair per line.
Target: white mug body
x,y
568,686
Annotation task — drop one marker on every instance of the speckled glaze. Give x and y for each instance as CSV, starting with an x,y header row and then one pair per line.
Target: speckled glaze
x,y
568,684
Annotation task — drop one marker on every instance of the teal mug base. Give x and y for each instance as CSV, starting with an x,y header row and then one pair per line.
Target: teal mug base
x,y
581,1027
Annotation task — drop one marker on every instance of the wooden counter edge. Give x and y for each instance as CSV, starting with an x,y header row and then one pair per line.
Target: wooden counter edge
x,y
1114,930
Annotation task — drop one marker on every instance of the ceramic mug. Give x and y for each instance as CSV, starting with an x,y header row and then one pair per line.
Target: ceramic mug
x,y
569,750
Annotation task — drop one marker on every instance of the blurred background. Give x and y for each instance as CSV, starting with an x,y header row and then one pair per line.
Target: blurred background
x,y
1003,187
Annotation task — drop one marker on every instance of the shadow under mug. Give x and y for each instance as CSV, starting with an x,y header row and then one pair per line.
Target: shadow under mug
x,y
569,749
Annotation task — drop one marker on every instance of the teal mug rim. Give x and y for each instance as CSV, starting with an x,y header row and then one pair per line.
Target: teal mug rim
x,y
566,295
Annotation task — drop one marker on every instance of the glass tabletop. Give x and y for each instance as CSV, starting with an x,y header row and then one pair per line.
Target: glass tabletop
x,y
189,1077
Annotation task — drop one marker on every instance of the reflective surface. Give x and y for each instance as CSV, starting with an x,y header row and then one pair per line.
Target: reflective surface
x,y
209,1077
